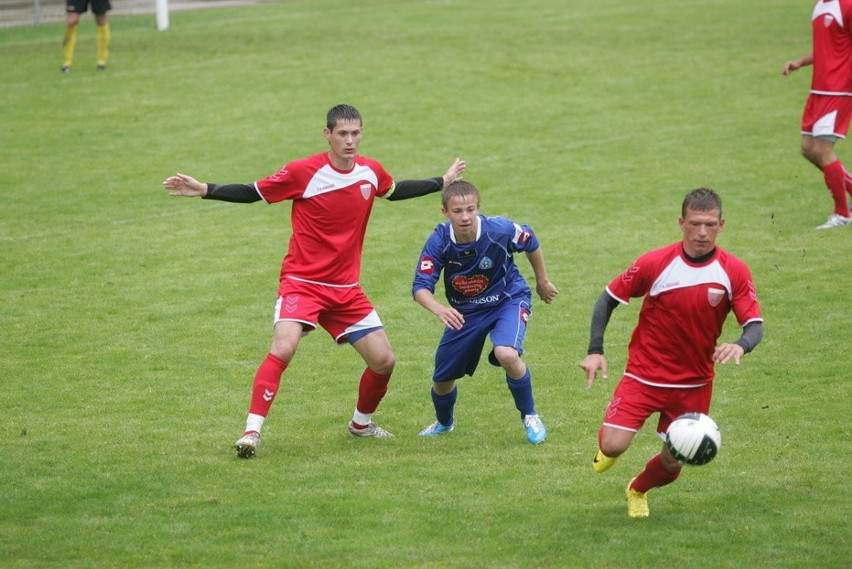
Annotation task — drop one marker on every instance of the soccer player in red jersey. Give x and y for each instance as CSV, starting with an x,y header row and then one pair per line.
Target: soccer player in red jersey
x,y
829,106
689,288
332,195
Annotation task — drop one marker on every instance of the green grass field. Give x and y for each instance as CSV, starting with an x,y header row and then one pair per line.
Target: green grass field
x,y
131,323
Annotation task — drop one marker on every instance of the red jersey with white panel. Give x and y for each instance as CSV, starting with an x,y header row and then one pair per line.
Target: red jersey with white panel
x,y
832,48
329,216
683,312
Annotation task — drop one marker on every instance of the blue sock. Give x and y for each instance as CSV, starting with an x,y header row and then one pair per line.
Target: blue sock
x,y
522,392
444,405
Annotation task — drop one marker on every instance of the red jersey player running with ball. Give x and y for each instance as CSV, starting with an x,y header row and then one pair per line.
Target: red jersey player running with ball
x,y
332,194
689,288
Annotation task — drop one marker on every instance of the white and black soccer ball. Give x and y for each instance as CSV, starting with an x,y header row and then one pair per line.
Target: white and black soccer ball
x,y
694,438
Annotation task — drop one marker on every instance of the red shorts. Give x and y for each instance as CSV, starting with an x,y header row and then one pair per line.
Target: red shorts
x,y
339,310
633,402
827,115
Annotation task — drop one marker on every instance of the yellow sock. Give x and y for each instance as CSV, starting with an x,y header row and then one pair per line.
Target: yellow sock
x,y
103,44
69,42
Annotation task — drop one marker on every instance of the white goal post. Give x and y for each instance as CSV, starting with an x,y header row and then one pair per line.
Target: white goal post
x,y
162,14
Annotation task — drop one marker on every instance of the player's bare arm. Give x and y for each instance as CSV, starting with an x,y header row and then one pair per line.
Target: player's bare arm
x,y
791,66
546,290
448,316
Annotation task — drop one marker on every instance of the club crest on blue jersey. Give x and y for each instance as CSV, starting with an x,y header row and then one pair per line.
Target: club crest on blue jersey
x,y
486,263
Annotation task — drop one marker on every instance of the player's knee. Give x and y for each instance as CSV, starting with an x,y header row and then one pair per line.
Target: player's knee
x,y
283,349
612,450
614,444
384,363
506,356
810,155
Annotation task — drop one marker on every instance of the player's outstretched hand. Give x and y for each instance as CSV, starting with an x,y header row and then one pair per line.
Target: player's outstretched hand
x,y
726,352
591,365
454,172
183,185
547,291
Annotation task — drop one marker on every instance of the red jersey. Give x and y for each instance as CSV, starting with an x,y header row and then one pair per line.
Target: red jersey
x,y
329,215
683,312
832,48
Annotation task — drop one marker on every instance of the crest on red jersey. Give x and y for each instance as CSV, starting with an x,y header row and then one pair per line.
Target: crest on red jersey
x,y
366,190
715,296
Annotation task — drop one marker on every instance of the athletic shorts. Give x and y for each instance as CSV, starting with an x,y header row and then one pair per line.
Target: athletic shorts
x,y
633,402
81,6
459,351
339,310
827,115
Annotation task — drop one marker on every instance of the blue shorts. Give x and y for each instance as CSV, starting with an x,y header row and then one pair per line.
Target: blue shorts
x,y
459,351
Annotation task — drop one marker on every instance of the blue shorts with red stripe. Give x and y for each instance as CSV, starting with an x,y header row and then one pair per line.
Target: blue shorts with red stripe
x,y
459,351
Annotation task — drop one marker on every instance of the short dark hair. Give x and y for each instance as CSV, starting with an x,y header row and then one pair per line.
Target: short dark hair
x,y
341,113
458,189
701,199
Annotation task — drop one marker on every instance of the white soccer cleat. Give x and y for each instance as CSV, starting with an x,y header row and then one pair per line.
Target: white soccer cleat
x,y
247,444
835,220
371,430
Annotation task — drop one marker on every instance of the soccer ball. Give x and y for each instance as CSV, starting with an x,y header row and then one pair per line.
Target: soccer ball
x,y
693,438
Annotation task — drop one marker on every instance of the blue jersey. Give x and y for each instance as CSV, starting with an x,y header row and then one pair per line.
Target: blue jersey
x,y
477,275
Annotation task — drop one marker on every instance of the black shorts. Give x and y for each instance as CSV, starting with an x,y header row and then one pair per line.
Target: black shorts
x,y
80,6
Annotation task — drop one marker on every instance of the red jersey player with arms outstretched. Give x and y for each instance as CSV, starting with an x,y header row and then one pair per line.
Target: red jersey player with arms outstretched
x,y
332,195
689,288
829,106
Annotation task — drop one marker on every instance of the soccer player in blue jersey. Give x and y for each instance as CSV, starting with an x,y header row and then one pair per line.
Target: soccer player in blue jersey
x,y
487,296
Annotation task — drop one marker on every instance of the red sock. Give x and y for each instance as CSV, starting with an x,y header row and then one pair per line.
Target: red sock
x,y
835,180
847,179
371,390
654,476
266,383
